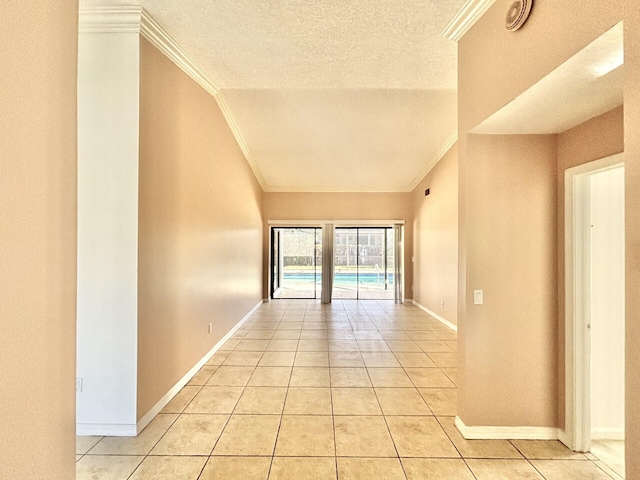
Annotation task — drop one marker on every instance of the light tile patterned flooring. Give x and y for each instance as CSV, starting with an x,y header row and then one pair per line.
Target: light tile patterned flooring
x,y
353,390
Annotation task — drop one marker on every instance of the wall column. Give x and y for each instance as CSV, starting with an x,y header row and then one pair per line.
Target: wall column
x,y
107,303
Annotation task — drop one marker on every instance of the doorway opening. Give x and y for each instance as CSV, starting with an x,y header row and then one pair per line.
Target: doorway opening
x,y
594,311
296,262
364,263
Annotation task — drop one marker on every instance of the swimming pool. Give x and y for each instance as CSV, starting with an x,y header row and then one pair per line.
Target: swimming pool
x,y
341,278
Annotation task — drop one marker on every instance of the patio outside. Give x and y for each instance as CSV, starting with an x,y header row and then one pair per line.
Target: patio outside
x,y
363,263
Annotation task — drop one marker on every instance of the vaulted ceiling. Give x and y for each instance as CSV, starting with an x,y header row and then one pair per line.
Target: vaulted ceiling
x,y
327,95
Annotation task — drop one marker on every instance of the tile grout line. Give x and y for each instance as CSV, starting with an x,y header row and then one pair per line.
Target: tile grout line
x,y
333,420
275,443
384,417
327,322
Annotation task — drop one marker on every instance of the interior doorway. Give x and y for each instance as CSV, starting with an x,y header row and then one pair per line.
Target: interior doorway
x,y
594,261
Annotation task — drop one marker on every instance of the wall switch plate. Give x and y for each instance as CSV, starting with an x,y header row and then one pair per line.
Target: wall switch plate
x,y
79,382
478,297
210,328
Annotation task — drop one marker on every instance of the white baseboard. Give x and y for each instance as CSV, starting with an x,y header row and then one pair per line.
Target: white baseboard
x,y
150,415
435,315
564,439
506,433
106,429
131,430
607,434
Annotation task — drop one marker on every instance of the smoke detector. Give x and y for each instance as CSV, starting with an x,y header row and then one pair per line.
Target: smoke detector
x,y
517,14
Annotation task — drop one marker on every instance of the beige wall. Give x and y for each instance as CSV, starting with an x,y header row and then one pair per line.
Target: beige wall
x,y
435,238
38,239
200,227
339,206
494,67
510,340
600,137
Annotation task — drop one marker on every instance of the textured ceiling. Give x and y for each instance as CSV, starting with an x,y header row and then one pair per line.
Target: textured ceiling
x,y
312,43
327,95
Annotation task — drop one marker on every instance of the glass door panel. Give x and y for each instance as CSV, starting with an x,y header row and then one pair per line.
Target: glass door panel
x,y
364,260
318,263
373,271
294,254
390,254
345,265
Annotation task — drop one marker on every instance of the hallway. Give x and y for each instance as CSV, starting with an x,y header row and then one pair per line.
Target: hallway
x,y
352,390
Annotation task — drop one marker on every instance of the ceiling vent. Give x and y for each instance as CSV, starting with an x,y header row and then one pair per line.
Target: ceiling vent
x,y
517,14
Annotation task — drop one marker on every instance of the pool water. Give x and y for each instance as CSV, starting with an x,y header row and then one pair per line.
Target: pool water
x,y
342,278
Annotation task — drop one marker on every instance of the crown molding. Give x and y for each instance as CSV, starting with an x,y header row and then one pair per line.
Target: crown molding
x,y
160,39
135,19
124,19
233,126
320,189
466,18
446,146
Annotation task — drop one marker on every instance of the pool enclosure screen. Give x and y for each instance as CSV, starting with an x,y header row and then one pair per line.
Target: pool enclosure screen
x,y
363,263
296,262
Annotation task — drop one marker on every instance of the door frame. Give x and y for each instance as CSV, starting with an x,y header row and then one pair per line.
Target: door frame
x,y
577,245
275,223
357,228
276,230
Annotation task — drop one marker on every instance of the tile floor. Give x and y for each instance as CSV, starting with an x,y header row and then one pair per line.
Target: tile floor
x,y
354,390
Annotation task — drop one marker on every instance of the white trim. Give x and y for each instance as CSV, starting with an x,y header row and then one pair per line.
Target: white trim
x,y
124,19
106,429
446,146
466,18
564,438
337,223
160,39
506,433
578,189
576,434
446,322
150,415
316,189
135,19
233,126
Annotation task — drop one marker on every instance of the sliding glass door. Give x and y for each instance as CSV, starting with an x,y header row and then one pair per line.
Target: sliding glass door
x,y
363,263
296,262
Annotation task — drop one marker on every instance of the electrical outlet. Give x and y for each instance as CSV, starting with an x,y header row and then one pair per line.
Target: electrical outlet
x,y
210,328
441,301
79,382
